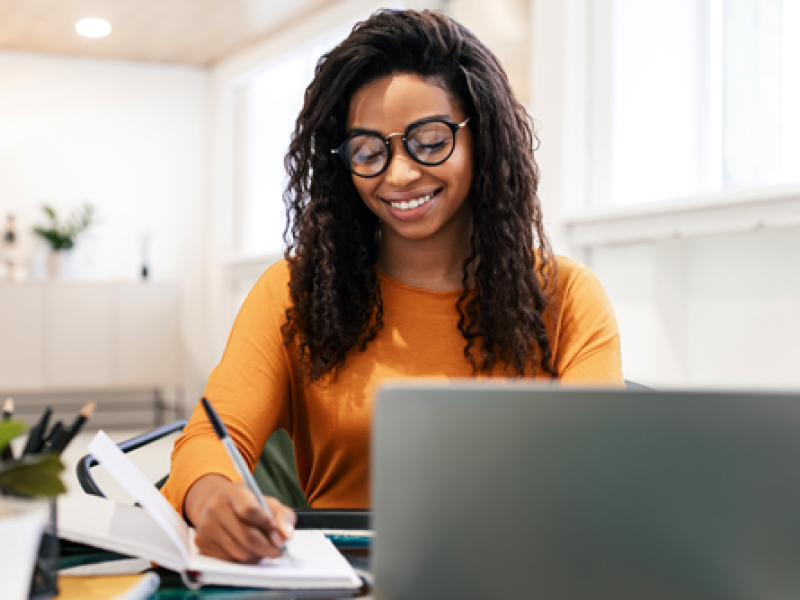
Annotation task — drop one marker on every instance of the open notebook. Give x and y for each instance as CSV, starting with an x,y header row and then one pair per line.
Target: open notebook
x,y
159,534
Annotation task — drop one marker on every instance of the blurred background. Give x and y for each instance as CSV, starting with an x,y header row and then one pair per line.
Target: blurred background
x,y
670,158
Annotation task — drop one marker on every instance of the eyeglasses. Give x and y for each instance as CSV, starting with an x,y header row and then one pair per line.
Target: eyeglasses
x,y
430,142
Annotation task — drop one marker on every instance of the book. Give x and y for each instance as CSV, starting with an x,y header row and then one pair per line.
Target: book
x,y
156,532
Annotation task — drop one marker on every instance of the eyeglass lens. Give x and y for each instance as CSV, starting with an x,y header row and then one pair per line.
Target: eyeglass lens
x,y
429,143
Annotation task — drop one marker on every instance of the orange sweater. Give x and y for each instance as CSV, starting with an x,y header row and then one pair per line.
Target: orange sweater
x,y
257,386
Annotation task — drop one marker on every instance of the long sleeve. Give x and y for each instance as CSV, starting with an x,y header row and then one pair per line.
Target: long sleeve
x,y
250,390
588,335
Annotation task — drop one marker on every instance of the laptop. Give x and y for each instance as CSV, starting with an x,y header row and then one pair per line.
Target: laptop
x,y
486,490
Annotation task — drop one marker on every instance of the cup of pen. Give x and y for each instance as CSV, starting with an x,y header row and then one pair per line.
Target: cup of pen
x,y
29,485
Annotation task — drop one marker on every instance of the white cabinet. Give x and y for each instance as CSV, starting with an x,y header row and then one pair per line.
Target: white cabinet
x,y
145,344
78,335
62,336
22,337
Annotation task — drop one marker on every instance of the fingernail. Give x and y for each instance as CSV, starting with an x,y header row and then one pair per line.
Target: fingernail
x,y
288,529
276,538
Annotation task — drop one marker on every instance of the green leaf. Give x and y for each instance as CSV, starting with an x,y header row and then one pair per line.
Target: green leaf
x,y
44,463
32,485
9,430
33,476
50,213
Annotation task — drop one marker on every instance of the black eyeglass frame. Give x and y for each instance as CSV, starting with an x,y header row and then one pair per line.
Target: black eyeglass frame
x,y
454,127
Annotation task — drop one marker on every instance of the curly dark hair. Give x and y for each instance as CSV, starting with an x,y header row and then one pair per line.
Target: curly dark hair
x,y
333,239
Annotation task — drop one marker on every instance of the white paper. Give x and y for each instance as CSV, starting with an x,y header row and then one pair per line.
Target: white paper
x,y
136,484
116,527
315,563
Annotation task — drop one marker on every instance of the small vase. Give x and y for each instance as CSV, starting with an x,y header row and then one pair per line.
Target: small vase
x,y
54,264
22,525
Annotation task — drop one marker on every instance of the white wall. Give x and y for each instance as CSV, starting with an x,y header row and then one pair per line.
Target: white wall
x,y
712,311
131,139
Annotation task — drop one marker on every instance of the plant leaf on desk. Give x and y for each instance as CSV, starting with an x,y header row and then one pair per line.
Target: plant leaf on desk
x,y
33,476
9,430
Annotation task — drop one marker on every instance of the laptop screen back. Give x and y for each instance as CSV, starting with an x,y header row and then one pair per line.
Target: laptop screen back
x,y
490,491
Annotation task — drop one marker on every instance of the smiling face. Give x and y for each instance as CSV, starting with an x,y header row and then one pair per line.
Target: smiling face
x,y
413,201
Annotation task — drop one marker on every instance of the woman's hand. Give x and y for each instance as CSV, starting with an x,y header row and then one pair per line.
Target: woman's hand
x,y
230,523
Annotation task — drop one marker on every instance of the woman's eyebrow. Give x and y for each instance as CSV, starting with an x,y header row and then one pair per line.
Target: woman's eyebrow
x,y
360,130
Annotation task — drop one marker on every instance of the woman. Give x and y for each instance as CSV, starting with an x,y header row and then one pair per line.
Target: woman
x,y
415,249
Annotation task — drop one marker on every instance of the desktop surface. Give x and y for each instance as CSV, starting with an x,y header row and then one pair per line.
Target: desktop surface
x,y
487,491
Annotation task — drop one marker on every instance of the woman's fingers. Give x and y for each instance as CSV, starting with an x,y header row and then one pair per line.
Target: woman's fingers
x,y
285,518
231,546
213,539
231,524
246,543
278,529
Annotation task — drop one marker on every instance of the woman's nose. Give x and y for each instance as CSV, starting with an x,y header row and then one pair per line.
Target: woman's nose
x,y
402,169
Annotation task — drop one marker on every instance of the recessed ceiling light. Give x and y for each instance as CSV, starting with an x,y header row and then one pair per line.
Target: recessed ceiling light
x,y
93,28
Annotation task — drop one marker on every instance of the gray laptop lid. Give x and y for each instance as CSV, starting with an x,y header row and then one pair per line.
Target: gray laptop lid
x,y
521,491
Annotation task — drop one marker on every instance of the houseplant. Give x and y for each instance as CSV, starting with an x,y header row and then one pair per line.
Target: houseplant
x,y
35,476
61,235
28,487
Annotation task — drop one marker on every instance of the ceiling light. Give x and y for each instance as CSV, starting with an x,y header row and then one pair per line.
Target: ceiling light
x,y
93,28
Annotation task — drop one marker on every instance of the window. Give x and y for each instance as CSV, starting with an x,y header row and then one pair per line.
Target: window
x,y
705,97
271,100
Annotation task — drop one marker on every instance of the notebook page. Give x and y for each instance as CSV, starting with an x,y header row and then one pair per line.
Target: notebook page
x,y
136,484
116,527
315,563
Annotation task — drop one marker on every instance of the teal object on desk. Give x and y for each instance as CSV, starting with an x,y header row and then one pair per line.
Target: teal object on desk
x,y
349,541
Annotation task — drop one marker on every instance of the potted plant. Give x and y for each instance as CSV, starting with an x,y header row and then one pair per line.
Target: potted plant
x,y
61,236
28,487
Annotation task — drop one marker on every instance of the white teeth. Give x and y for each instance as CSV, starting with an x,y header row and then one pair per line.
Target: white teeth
x,y
412,204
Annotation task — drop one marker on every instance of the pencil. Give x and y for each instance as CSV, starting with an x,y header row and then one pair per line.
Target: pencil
x,y
8,411
69,434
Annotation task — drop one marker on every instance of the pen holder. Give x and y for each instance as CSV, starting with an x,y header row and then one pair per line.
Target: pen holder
x,y
45,574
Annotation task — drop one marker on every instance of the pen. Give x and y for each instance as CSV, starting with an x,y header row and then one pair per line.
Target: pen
x,y
37,433
69,434
53,437
238,461
8,411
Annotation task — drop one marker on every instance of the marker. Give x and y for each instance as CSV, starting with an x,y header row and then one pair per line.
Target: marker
x,y
36,435
238,461
69,434
53,437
